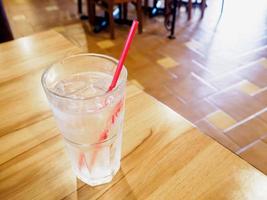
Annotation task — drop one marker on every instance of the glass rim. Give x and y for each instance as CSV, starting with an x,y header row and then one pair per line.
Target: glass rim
x,y
115,61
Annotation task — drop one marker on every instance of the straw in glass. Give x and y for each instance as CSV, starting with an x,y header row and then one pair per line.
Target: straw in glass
x,y
115,113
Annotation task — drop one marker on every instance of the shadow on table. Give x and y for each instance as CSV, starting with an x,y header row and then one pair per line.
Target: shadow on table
x,y
119,188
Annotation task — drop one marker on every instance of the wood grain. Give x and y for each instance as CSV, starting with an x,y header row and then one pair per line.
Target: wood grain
x,y
22,63
164,156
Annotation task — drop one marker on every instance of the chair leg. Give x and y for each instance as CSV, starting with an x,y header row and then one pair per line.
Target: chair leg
x,y
203,6
179,4
125,11
80,9
139,15
120,11
111,21
91,11
155,3
171,36
189,9
146,6
5,31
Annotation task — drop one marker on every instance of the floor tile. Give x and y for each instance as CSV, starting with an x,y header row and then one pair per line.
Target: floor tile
x,y
167,62
181,71
248,132
248,87
51,8
220,120
264,139
262,97
150,76
237,104
263,116
217,135
190,88
172,102
194,46
264,63
196,110
256,155
220,68
255,74
105,44
186,68
19,18
201,70
225,81
159,92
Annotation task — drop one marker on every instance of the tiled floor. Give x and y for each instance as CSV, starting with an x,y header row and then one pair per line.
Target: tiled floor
x,y
214,73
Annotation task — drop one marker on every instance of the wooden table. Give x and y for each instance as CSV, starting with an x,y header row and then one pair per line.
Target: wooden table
x,y
164,156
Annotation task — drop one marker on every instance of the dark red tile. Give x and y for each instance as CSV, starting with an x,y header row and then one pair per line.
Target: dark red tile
x,y
222,67
256,155
172,102
255,74
262,97
180,71
184,70
223,82
190,88
236,104
151,76
217,135
263,116
248,132
159,92
264,139
196,110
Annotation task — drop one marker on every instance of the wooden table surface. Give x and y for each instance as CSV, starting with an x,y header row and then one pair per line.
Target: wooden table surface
x,y
164,156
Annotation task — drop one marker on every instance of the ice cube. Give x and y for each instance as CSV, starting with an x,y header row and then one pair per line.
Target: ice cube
x,y
68,87
86,92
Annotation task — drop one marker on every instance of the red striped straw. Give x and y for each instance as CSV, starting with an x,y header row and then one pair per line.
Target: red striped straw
x,y
123,55
113,84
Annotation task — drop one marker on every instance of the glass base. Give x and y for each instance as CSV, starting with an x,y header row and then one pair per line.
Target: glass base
x,y
99,181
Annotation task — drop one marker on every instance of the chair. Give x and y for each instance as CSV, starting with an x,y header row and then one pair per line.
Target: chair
x,y
109,9
170,12
5,31
190,5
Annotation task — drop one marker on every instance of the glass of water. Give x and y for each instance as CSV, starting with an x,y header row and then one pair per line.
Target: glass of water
x,y
89,116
